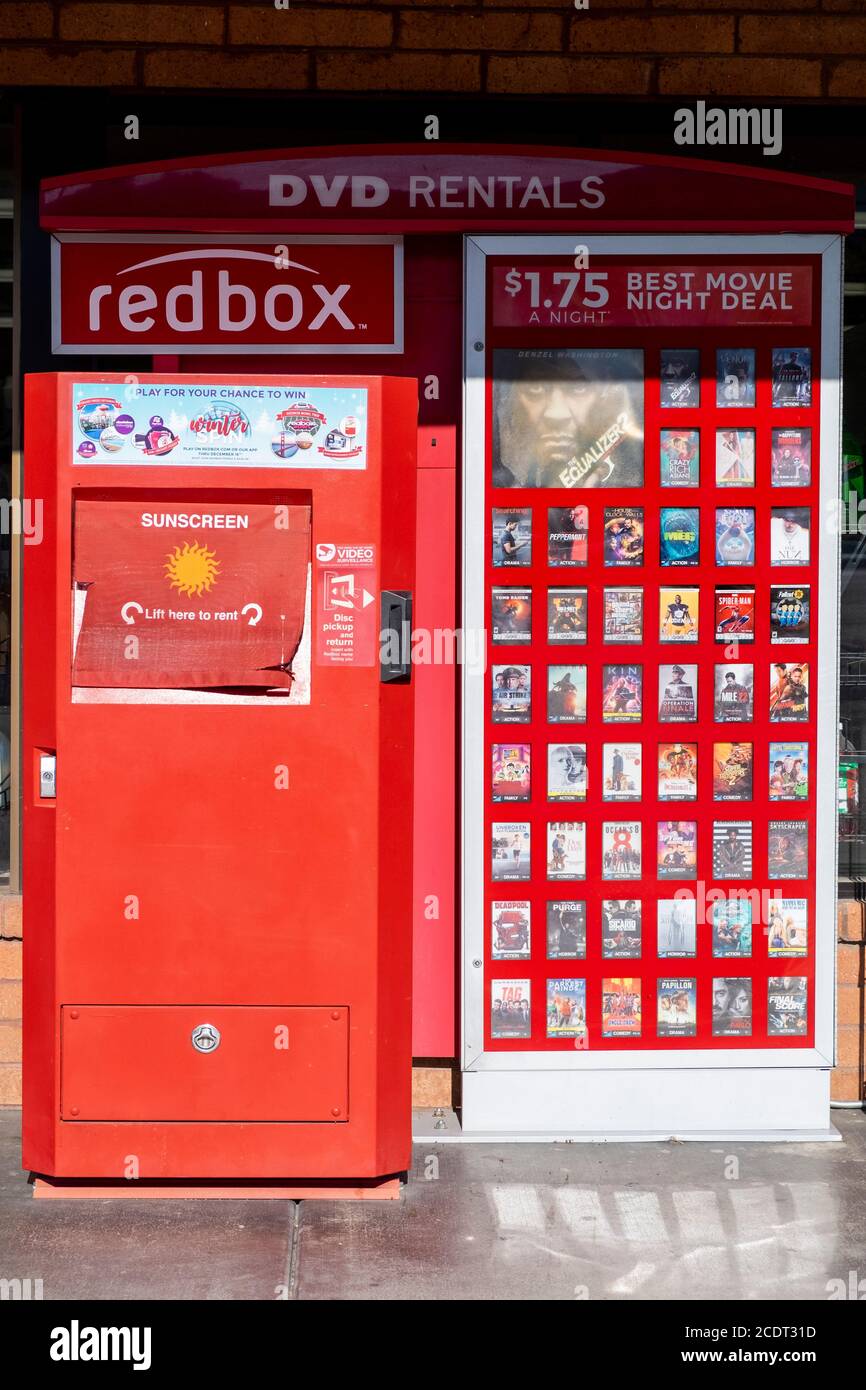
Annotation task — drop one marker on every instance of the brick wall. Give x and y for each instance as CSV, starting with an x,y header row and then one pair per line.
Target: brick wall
x,y
795,49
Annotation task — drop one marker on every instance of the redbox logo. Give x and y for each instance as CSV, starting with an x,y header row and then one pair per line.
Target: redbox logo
x,y
133,296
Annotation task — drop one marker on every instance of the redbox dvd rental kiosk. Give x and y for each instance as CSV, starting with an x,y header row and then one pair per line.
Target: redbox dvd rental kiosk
x,y
631,767
217,859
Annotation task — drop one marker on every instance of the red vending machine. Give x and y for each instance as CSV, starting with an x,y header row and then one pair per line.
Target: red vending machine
x,y
217,777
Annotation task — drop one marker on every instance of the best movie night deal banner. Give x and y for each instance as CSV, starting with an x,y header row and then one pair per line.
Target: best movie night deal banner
x,y
189,594
220,425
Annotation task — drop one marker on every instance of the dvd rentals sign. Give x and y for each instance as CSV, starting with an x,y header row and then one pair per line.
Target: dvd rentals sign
x,y
253,294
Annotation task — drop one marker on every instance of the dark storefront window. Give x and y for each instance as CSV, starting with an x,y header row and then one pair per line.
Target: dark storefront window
x,y
6,489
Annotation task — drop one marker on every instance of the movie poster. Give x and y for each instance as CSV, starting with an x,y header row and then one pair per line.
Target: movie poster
x,y
567,536
735,614
678,772
509,850
623,536
680,378
621,849
568,417
680,456
676,927
789,613
622,694
787,928
509,1009
733,700
792,458
566,615
620,929
566,849
510,922
511,694
566,930
623,615
512,536
732,771
789,693
792,377
732,849
735,536
787,997
566,694
620,1008
678,694
510,772
678,615
566,1008
735,458
731,923
732,1007
679,536
789,771
511,614
788,849
677,852
789,535
735,377
566,772
676,1007
621,764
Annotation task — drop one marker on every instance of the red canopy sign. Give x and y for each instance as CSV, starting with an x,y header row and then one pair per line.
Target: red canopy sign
x,y
189,594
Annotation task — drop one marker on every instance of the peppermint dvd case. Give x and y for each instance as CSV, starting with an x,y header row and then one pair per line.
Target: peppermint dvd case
x,y
567,536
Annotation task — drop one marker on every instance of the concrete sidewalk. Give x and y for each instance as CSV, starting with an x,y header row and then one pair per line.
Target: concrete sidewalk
x,y
522,1221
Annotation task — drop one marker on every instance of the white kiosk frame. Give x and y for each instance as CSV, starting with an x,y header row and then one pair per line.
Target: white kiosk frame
x,y
761,1093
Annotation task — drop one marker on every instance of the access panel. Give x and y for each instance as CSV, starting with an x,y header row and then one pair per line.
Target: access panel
x,y
218,897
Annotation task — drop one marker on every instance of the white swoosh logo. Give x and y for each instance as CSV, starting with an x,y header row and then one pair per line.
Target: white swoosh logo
x,y
217,253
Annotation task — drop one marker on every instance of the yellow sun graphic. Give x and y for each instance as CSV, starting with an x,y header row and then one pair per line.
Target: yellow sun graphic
x,y
192,569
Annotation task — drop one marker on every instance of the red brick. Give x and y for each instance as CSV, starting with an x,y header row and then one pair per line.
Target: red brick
x,y
781,7
653,34
305,28
10,1041
555,76
837,5
10,914
20,21
10,1083
849,965
849,1045
849,1006
846,1083
485,32
10,999
739,77
142,24
851,920
10,960
432,1086
399,72
803,34
184,67
848,80
42,67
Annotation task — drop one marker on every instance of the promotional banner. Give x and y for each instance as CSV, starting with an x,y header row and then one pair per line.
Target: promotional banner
x,y
719,296
188,594
254,426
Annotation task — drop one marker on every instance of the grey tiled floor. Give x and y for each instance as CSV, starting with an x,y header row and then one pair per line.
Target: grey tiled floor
x,y
478,1222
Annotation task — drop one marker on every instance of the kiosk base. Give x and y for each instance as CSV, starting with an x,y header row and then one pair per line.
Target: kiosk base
x,y
380,1189
747,1105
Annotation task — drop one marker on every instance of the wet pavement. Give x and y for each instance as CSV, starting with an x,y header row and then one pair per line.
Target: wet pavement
x,y
476,1221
